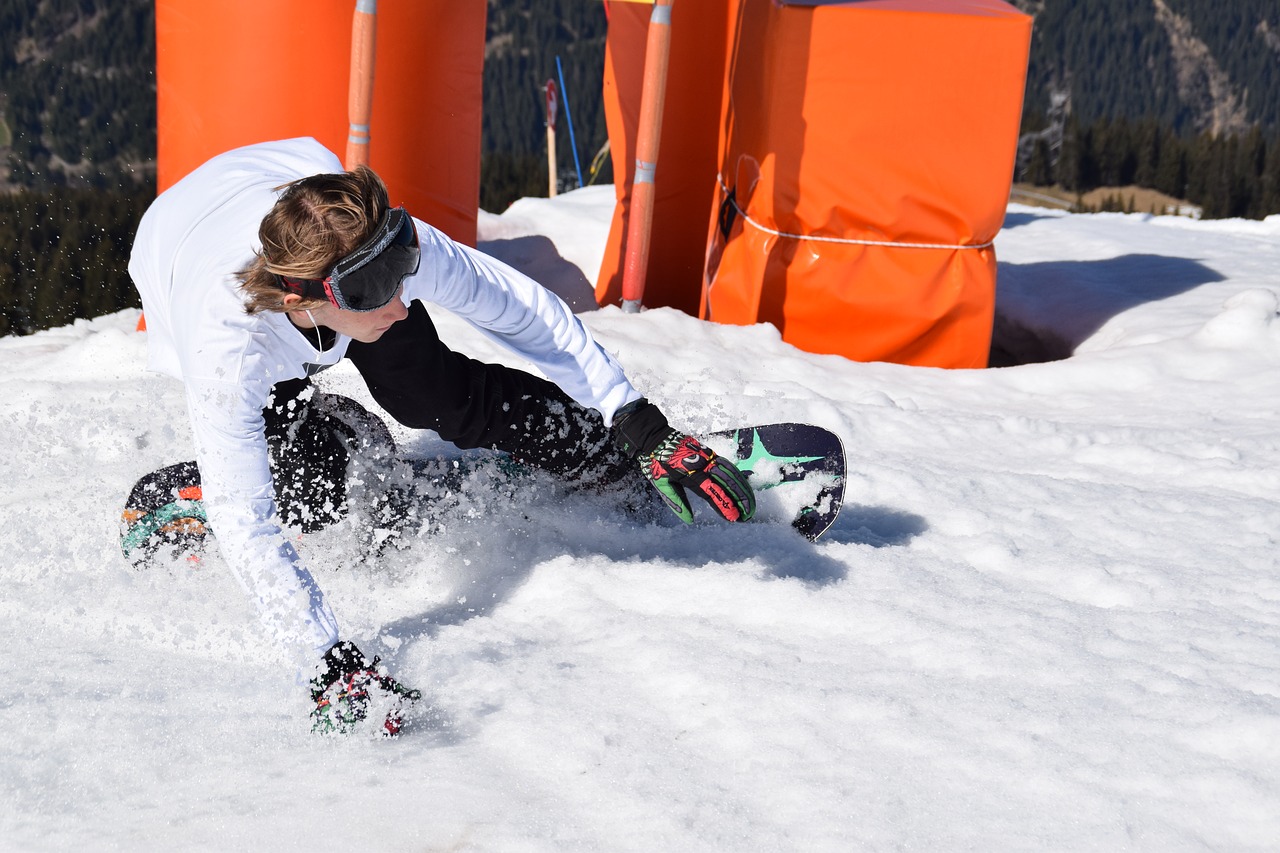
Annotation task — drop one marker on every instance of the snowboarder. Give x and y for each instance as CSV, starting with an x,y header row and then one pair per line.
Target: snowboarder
x,y
270,263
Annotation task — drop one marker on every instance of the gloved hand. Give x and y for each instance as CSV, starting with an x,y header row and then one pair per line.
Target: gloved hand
x,y
348,686
673,461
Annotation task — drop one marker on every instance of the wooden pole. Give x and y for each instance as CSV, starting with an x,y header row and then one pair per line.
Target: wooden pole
x,y
652,99
360,93
552,104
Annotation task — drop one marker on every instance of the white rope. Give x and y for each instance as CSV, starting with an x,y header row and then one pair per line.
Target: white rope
x,y
847,240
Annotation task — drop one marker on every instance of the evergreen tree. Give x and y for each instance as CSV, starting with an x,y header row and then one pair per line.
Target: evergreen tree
x,y
1250,166
64,255
523,43
1269,185
1171,167
1039,170
1147,143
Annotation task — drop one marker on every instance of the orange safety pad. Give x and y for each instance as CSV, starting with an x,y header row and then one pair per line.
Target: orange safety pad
x,y
236,72
684,184
888,121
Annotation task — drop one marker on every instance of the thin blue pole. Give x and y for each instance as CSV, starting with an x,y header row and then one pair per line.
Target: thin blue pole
x,y
564,96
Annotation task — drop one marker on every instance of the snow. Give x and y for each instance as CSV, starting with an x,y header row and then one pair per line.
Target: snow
x,y
1048,617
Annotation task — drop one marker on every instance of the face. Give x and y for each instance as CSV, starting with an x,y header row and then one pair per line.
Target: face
x,y
363,326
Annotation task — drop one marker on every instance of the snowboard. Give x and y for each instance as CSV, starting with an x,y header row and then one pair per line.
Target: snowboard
x,y
164,516
797,470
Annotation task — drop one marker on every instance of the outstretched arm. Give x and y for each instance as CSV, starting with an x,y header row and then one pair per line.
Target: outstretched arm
x,y
521,315
231,450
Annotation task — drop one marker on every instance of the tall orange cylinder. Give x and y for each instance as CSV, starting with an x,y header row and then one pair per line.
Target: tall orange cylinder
x,y
235,72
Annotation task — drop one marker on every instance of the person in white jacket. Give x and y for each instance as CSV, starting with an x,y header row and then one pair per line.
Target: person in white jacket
x,y
269,263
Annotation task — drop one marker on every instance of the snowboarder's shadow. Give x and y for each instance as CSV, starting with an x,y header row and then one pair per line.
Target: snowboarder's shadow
x,y
476,593
784,553
877,526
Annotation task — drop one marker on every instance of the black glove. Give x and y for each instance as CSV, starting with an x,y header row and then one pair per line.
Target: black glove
x,y
348,686
672,460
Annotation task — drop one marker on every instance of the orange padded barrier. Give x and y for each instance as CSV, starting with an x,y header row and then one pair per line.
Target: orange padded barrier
x,y
891,122
864,157
235,72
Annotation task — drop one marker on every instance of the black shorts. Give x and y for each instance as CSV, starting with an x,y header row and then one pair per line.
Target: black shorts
x,y
423,384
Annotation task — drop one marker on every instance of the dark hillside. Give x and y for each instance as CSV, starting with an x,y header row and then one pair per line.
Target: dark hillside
x,y
1192,66
1177,95
78,85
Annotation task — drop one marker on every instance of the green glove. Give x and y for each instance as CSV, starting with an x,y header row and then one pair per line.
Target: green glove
x,y
348,686
675,462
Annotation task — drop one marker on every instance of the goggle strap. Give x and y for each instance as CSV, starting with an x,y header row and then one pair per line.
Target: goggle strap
x,y
328,289
310,288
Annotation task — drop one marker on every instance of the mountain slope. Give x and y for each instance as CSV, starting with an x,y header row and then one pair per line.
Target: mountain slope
x,y
1193,66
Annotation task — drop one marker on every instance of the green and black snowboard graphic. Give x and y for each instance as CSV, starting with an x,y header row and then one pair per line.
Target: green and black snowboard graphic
x,y
164,516
800,468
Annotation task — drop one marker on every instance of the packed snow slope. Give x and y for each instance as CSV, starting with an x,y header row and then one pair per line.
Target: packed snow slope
x,y
1047,619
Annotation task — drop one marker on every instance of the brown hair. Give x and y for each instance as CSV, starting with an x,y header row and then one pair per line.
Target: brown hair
x,y
316,221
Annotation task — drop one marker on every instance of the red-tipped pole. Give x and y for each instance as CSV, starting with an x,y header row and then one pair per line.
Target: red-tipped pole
x,y
360,94
652,98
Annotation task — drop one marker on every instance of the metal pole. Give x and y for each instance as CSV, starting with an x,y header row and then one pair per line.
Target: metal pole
x,y
568,119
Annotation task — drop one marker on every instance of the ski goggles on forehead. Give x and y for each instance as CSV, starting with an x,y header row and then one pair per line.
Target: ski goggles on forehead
x,y
369,277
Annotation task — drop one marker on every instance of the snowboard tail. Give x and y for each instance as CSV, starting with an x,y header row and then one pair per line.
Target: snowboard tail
x,y
164,513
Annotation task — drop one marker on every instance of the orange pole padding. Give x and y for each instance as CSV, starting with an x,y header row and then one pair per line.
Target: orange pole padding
x,y
360,94
657,52
684,201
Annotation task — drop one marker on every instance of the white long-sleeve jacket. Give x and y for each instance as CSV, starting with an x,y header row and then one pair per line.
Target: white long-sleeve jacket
x,y
192,241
